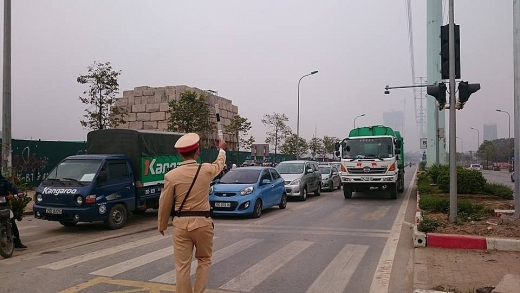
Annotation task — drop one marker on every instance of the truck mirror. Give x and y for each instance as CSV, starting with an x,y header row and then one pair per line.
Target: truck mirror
x,y
102,176
336,153
336,146
348,148
398,144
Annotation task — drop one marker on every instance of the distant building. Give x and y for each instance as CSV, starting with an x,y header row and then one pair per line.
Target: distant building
x,y
394,119
147,108
490,132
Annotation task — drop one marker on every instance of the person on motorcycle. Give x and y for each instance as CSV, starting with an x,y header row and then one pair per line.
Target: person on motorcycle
x,y
7,187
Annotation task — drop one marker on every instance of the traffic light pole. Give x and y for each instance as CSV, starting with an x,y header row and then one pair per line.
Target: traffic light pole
x,y
516,115
453,118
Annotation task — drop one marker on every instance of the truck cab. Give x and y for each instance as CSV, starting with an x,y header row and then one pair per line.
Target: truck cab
x,y
87,188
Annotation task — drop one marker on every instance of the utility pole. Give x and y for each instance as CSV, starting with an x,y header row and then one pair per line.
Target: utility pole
x,y
453,119
435,118
516,52
6,97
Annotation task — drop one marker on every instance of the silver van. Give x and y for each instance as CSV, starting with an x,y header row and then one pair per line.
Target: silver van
x,y
300,178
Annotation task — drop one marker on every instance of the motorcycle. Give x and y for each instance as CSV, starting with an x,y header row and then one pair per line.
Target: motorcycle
x,y
6,233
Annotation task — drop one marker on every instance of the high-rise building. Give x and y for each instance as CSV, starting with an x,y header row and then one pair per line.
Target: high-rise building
x,y
490,132
394,119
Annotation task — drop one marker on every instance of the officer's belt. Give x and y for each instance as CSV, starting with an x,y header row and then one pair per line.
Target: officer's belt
x,y
179,214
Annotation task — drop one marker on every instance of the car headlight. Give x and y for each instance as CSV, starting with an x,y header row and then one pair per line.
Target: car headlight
x,y
247,190
39,197
326,178
211,189
295,182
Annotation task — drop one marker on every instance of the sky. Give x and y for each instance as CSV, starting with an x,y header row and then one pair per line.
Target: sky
x,y
253,53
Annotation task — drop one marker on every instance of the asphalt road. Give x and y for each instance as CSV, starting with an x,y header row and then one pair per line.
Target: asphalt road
x,y
502,177
325,244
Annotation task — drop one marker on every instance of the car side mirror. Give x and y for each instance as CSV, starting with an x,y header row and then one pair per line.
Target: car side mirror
x,y
102,177
266,181
334,173
336,146
309,170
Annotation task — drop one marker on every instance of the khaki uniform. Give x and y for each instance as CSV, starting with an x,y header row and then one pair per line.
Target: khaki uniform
x,y
190,231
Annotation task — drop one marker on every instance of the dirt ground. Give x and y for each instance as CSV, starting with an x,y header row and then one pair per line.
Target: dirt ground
x,y
495,225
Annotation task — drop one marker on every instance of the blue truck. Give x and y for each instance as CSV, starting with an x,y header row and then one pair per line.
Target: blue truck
x,y
122,172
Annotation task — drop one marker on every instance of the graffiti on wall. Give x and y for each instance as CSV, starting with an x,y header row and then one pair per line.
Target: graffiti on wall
x,y
28,167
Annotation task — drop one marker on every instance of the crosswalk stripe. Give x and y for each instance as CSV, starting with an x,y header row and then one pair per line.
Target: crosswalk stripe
x,y
134,263
256,274
100,253
219,255
337,274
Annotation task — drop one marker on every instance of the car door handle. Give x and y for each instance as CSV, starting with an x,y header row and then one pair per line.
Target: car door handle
x,y
128,187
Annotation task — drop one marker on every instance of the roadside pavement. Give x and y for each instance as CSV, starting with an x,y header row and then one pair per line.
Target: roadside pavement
x,y
465,270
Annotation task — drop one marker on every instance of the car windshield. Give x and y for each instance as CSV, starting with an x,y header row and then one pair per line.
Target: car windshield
x,y
240,176
325,170
290,168
368,148
75,170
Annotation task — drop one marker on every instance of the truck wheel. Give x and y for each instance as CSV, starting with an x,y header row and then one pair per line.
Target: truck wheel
x,y
68,223
393,191
347,192
117,217
401,184
317,192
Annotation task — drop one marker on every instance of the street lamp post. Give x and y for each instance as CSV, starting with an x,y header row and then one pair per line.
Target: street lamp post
x,y
298,115
461,149
478,139
510,145
357,118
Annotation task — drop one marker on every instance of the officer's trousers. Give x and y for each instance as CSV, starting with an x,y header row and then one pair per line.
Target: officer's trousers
x,y
183,243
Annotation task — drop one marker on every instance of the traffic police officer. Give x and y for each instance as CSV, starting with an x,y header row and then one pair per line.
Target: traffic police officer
x,y
192,225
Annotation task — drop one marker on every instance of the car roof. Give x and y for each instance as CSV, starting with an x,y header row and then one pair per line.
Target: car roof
x,y
296,161
253,168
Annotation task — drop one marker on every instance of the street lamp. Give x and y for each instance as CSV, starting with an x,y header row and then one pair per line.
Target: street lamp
x,y
510,145
478,139
357,118
298,115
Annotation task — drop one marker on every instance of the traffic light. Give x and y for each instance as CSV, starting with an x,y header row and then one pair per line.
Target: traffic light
x,y
445,52
465,90
438,91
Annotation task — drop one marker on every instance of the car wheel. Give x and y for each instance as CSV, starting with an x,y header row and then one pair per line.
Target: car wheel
x,y
303,196
331,184
317,192
283,202
117,217
257,211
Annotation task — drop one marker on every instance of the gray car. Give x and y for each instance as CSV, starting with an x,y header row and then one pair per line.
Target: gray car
x,y
301,177
329,177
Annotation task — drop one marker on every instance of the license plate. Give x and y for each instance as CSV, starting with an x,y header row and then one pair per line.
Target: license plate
x,y
366,178
53,211
222,205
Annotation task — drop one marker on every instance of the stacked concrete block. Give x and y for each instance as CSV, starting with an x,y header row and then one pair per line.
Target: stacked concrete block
x,y
147,107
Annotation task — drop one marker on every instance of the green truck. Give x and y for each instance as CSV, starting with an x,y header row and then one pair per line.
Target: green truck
x,y
123,171
372,158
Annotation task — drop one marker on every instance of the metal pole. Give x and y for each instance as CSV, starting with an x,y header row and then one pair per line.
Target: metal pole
x,y
433,118
298,115
453,120
6,117
357,118
516,50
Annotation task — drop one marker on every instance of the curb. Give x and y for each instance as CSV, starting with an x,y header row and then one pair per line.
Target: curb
x,y
438,240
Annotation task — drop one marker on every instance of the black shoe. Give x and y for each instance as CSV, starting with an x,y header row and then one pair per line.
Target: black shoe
x,y
19,245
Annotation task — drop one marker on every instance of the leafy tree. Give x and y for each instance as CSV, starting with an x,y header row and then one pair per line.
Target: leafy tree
x,y
279,130
328,144
239,127
248,143
191,114
101,97
289,146
316,147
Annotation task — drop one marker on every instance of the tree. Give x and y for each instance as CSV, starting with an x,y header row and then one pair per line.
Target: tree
x,y
101,97
238,128
191,114
289,146
248,143
316,147
278,129
329,144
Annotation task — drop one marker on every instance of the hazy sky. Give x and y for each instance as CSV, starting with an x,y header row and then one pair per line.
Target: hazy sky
x,y
254,52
